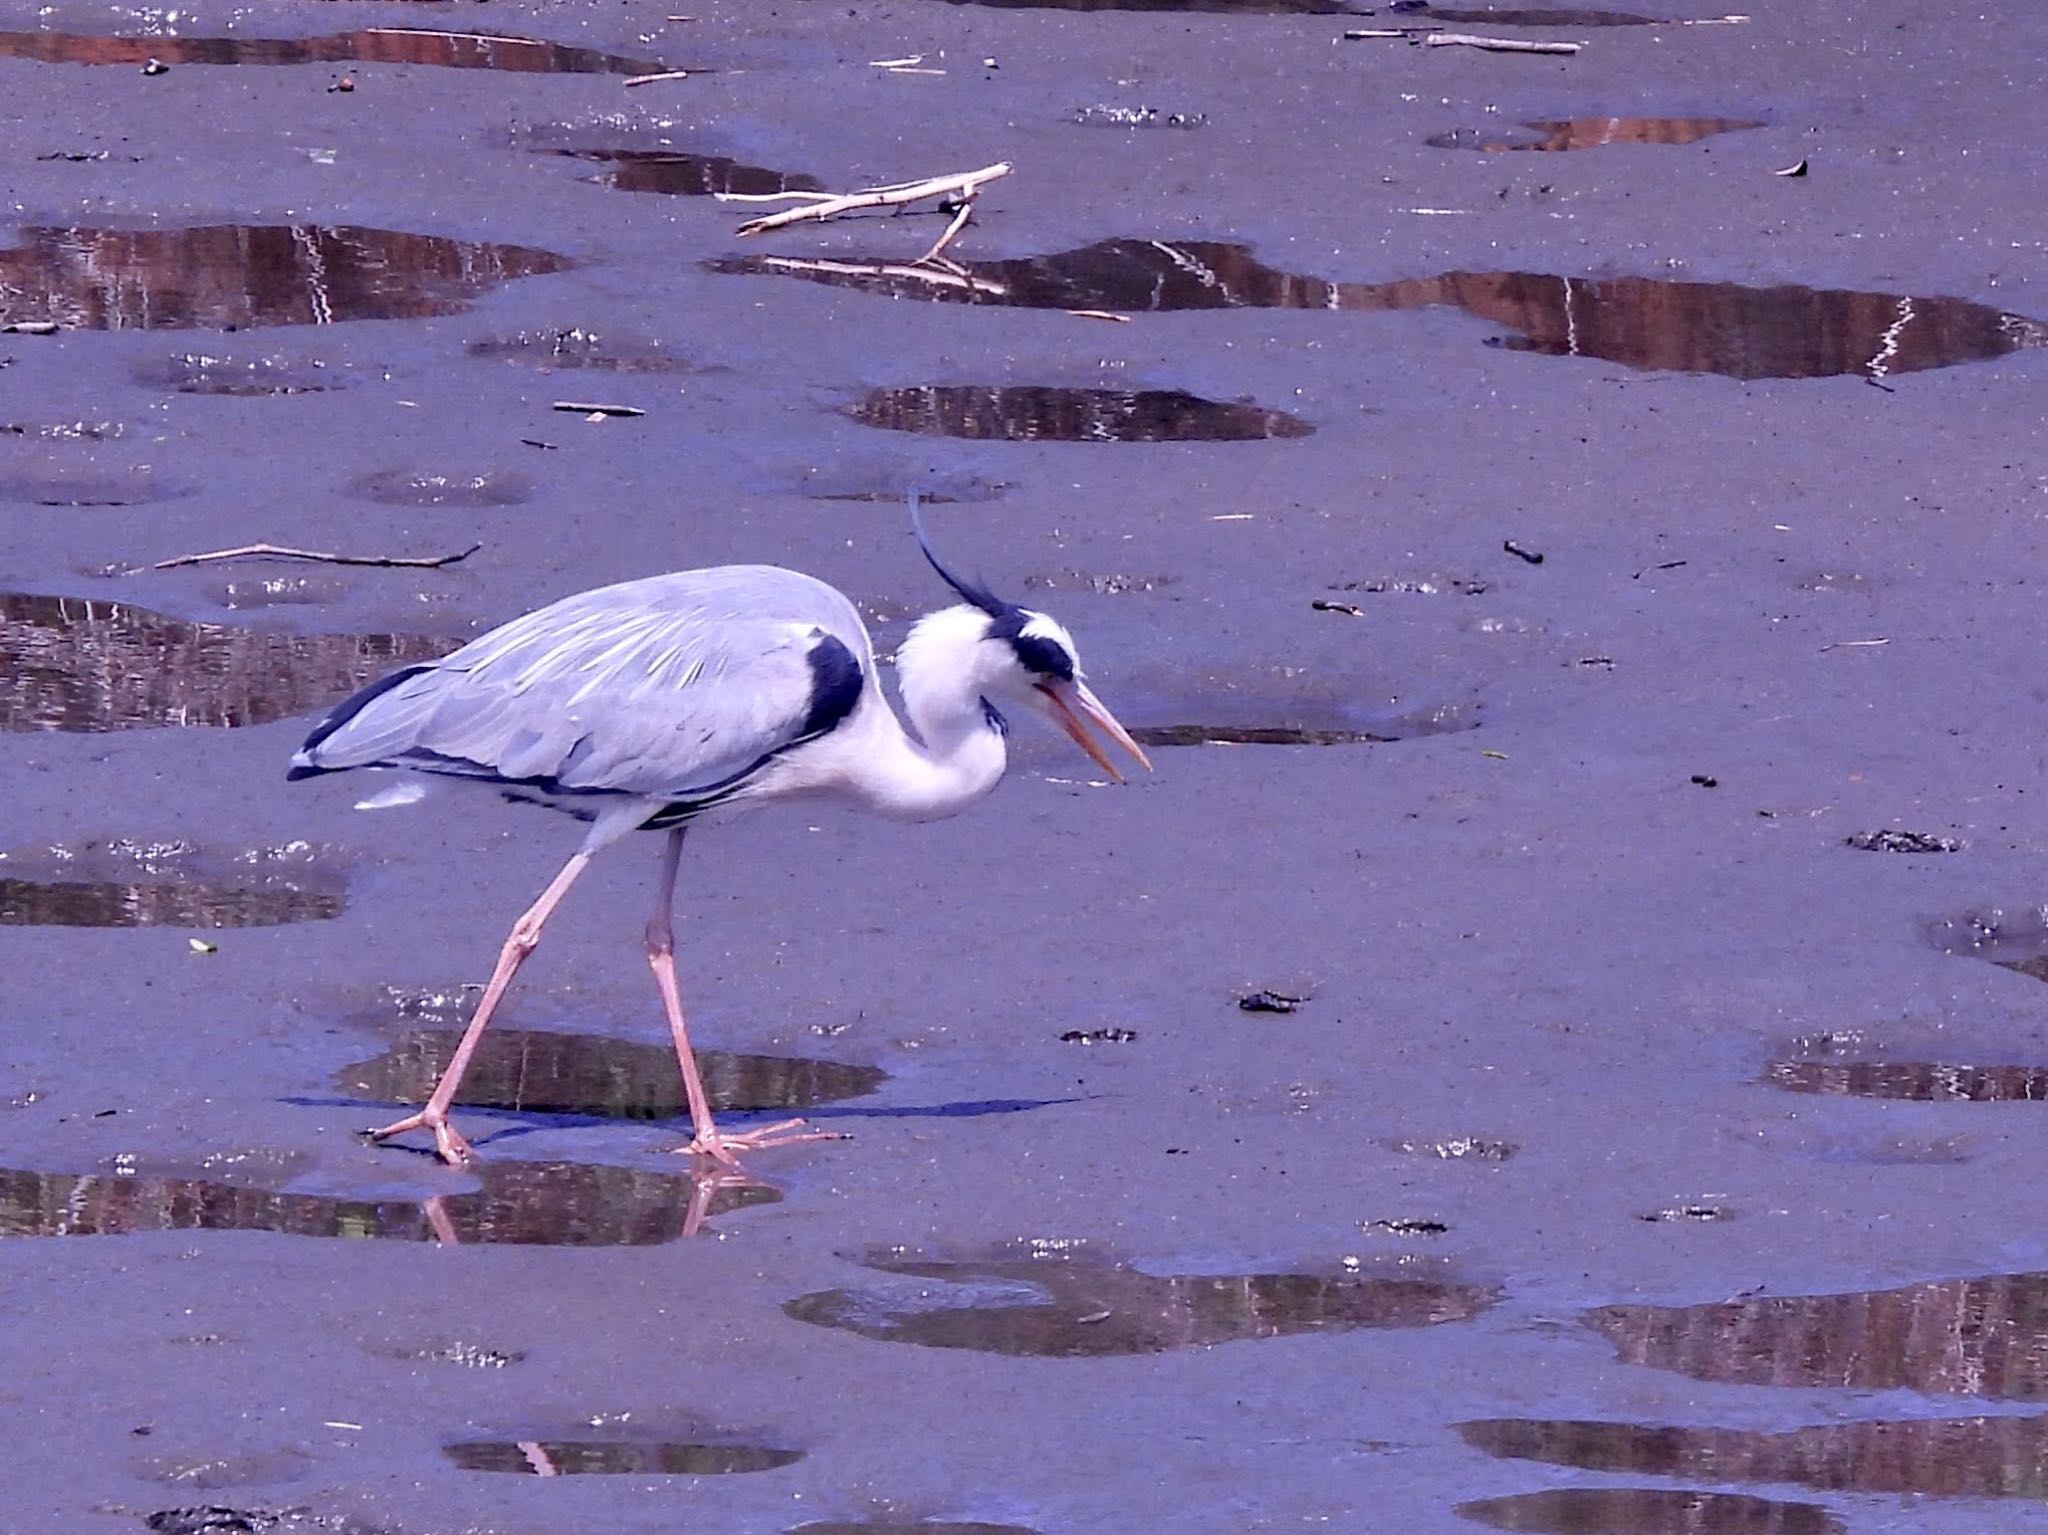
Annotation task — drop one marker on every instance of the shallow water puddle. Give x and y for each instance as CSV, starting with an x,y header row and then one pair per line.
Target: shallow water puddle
x,y
575,347
1306,722
1649,1511
248,377
80,664
432,487
1919,1081
234,276
1039,413
554,1204
680,175
2015,940
1527,16
909,1527
1996,1457
541,1072
1984,1337
1255,735
168,884
1590,133
84,484
1060,1302
1202,7
607,1457
1638,322
372,45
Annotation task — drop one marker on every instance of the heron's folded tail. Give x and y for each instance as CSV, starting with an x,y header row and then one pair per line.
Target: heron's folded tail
x,y
306,760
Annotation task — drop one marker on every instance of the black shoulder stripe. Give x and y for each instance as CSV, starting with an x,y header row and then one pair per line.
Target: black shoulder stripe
x,y
836,683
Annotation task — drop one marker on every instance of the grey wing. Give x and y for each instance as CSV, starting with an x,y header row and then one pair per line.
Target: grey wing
x,y
662,687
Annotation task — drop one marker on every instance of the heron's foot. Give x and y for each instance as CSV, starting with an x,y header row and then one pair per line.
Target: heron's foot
x,y
725,1149
448,1142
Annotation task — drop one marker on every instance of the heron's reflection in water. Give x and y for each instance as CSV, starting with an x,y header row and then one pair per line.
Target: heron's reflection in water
x,y
551,1204
542,1071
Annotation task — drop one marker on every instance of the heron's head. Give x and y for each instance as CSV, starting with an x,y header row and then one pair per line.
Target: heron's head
x,y
1014,658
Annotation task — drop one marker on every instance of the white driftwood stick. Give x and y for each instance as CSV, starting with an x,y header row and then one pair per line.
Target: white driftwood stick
x,y
1495,44
963,184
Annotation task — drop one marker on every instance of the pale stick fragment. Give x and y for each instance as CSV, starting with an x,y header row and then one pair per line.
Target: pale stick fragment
x,y
1496,44
959,222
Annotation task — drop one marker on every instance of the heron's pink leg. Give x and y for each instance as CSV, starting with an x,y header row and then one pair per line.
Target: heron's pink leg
x,y
708,1140
524,937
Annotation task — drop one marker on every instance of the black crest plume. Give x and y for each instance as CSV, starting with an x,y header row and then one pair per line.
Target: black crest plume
x,y
973,591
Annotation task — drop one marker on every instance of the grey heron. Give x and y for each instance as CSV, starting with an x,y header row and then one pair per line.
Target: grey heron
x,y
653,704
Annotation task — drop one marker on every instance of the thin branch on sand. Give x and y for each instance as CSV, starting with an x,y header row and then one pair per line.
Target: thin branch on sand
x,y
280,552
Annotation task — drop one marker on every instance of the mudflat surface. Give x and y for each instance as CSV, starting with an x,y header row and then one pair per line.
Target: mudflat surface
x,y
1646,1155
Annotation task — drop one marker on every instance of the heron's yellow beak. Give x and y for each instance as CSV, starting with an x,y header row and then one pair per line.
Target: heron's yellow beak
x,y
1073,708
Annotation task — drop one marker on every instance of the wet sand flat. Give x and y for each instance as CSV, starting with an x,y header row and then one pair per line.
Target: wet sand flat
x,y
1557,1044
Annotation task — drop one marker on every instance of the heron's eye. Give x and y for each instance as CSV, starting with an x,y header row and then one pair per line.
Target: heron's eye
x,y
1043,657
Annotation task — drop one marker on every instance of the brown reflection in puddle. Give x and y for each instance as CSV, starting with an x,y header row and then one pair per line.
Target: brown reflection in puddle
x,y
575,347
1059,1302
1938,1457
78,664
171,884
1254,735
372,45
559,1204
1038,413
232,276
1649,1511
1983,1337
1591,133
1921,1081
540,1072
909,1527
605,1457
1638,322
679,175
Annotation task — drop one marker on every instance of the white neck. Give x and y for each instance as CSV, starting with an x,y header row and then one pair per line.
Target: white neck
x,y
959,755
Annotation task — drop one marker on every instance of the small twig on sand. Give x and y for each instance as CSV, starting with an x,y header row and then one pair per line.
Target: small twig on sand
x,y
962,186
1495,44
280,552
591,408
666,74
